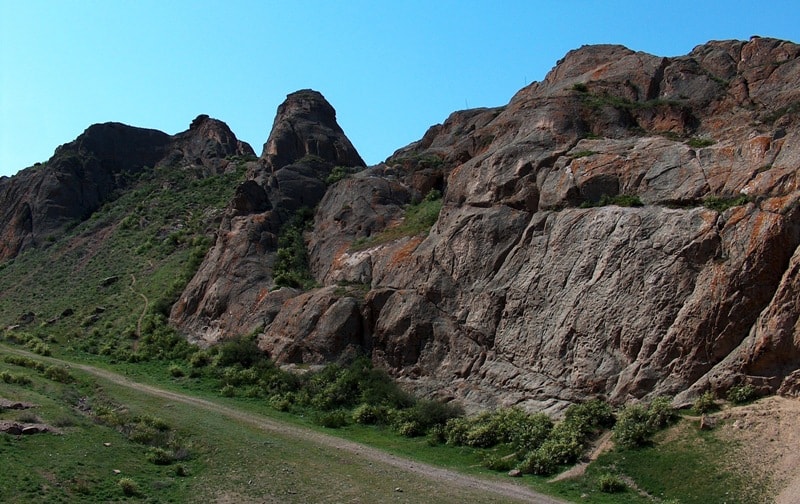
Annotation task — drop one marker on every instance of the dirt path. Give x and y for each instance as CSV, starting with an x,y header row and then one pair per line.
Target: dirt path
x,y
144,310
508,489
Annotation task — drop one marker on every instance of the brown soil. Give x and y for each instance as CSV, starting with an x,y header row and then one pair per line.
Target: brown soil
x,y
768,436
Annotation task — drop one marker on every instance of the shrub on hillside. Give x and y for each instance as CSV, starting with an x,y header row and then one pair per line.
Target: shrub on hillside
x,y
742,394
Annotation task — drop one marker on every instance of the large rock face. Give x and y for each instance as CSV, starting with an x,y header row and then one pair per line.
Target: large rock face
x,y
534,286
234,292
526,292
39,202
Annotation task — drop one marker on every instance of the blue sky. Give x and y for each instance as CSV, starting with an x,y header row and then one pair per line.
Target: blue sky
x,y
390,69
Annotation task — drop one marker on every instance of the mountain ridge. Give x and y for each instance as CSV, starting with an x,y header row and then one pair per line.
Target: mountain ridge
x,y
529,288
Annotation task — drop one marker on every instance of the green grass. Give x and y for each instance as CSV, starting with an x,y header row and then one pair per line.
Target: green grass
x,y
686,464
623,200
721,203
151,239
417,220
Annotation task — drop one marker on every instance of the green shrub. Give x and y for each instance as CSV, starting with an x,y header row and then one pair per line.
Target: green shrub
x,y
241,350
15,378
741,394
291,268
331,419
456,430
176,371
590,417
705,403
367,414
338,173
129,487
529,433
538,462
58,373
497,463
199,359
159,456
228,391
610,483
661,413
633,427
720,204
698,143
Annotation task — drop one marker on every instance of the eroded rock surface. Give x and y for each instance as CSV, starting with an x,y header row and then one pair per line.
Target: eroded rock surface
x,y
41,201
526,292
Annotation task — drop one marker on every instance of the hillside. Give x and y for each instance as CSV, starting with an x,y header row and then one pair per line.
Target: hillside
x,y
626,228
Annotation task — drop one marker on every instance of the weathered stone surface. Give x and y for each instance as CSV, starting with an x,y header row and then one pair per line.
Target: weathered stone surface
x,y
233,291
39,202
518,297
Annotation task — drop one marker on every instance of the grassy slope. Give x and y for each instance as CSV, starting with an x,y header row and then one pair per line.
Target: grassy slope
x,y
156,234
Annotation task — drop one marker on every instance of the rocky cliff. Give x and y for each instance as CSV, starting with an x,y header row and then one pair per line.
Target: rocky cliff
x,y
625,228
41,201
535,286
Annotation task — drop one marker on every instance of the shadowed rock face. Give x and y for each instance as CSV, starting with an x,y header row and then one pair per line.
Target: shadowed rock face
x,y
41,201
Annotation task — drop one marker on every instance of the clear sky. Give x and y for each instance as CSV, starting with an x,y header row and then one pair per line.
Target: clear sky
x,y
390,69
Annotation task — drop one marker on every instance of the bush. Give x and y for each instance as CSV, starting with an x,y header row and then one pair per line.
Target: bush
x,y
720,204
531,432
661,413
129,487
331,419
610,483
497,463
705,403
538,462
159,456
699,143
57,373
176,371
199,359
367,414
742,394
425,413
633,427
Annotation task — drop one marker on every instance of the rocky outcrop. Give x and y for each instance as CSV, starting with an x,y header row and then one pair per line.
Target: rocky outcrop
x,y
525,291
234,291
41,201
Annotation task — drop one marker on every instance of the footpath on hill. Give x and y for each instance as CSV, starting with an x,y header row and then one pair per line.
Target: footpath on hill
x,y
508,489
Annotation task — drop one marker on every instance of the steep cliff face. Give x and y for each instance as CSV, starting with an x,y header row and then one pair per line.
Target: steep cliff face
x,y
233,292
39,202
530,288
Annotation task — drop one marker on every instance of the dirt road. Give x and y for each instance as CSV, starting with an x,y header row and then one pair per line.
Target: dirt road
x,y
510,489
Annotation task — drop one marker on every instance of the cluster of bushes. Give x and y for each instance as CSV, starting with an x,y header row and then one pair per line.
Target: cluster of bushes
x,y
533,442
636,424
34,343
291,267
720,204
15,378
164,445
52,372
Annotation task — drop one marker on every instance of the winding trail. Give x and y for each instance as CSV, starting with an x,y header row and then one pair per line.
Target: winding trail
x,y
505,489
144,310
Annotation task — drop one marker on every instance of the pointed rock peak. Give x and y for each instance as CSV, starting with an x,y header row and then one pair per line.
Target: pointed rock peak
x,y
306,125
206,141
